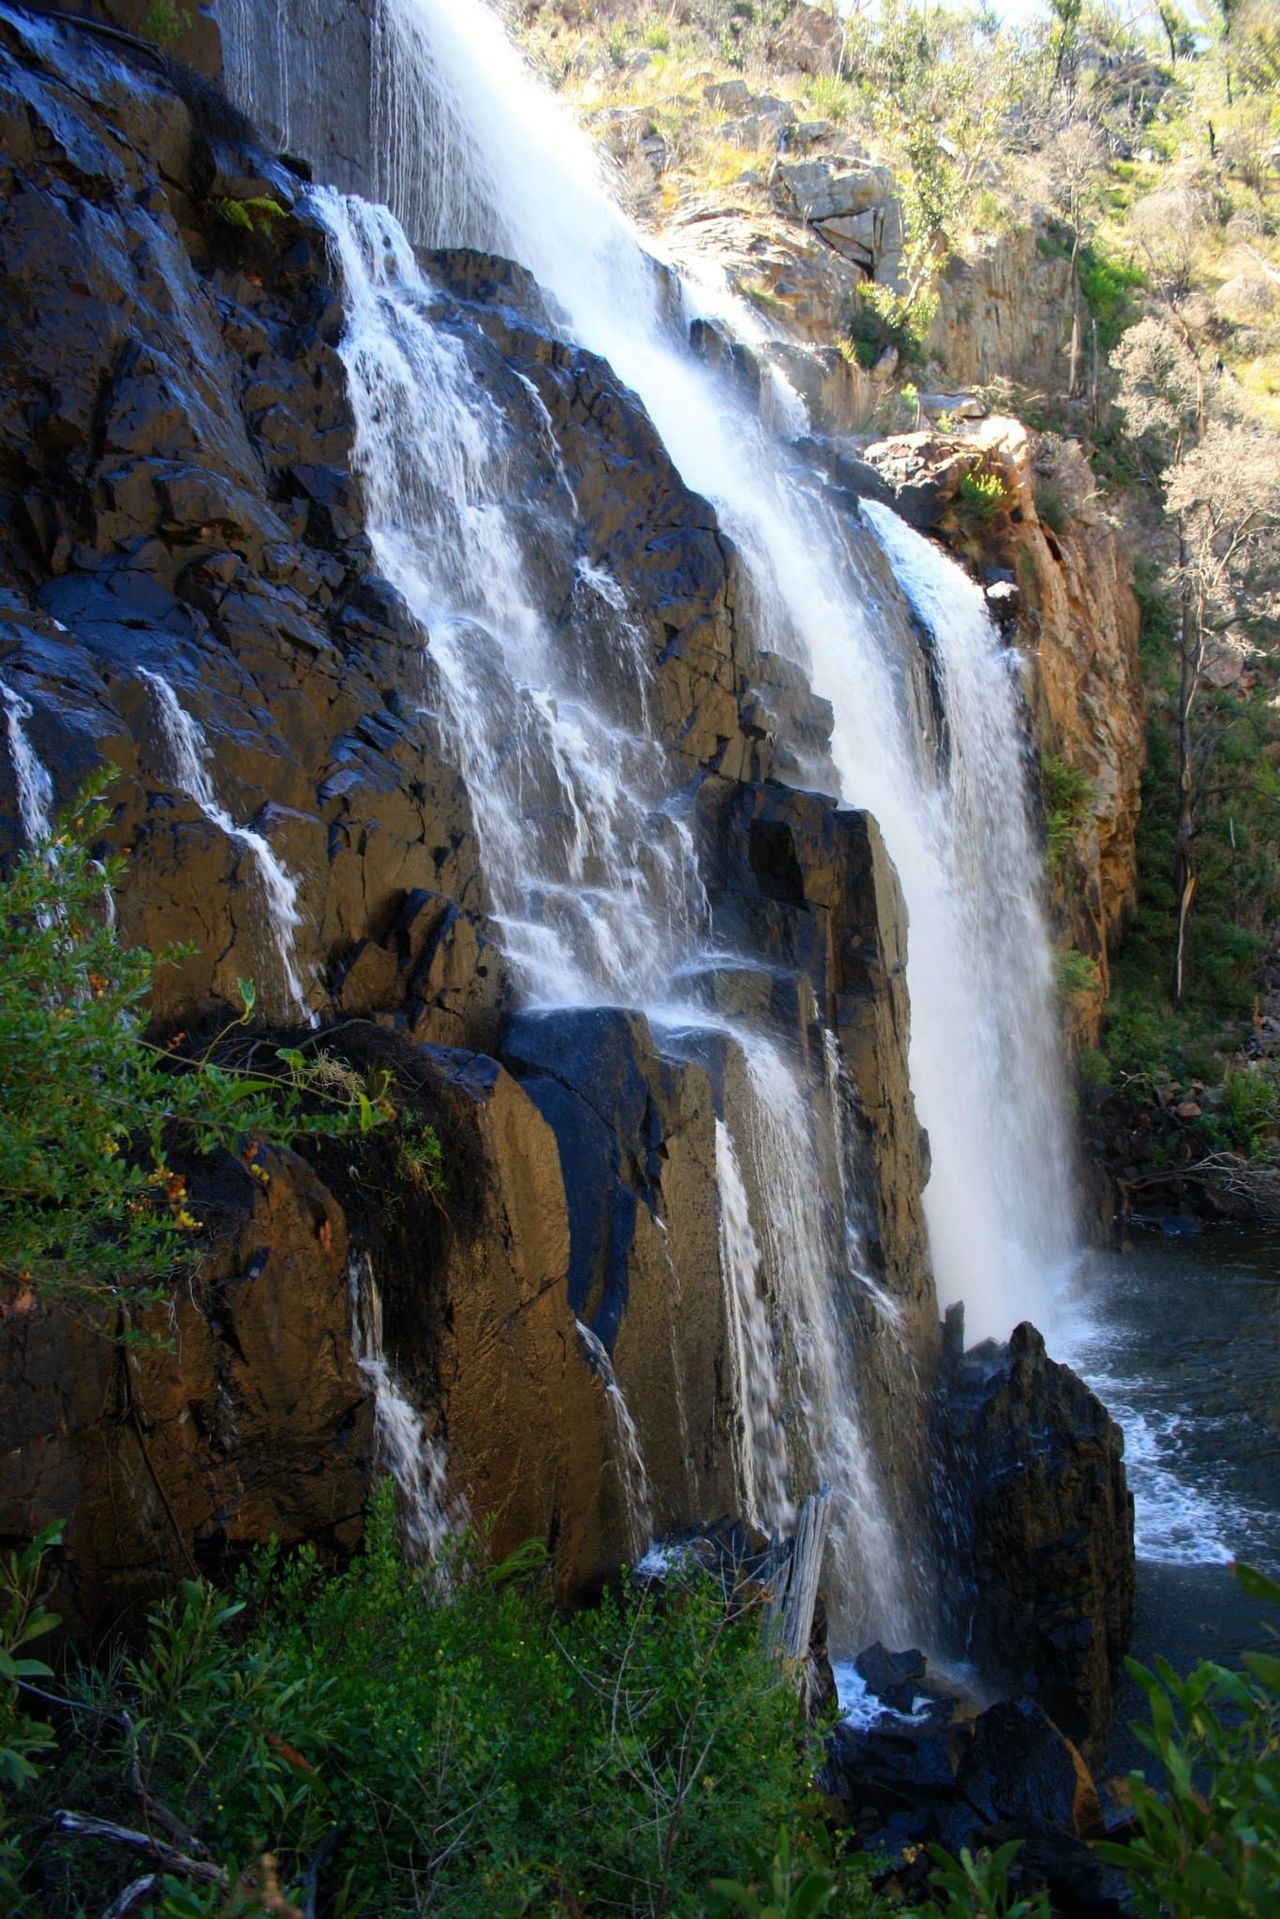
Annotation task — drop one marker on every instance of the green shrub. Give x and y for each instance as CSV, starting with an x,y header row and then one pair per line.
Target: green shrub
x,y
93,1206
1111,289
1052,509
1075,974
1068,796
447,1745
1209,1829
165,22
983,494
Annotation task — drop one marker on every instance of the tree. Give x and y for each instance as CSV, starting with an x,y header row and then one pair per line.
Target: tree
x,y
1221,491
1224,497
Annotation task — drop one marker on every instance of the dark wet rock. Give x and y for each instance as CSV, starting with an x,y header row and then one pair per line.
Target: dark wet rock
x,y
957,1777
251,1422
1034,1498
892,1676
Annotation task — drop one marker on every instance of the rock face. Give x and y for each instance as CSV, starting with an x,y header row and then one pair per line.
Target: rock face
x,y
1057,569
253,1422
1004,312
1032,1487
178,510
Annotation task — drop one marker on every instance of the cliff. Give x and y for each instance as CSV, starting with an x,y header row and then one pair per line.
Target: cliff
x,y
178,506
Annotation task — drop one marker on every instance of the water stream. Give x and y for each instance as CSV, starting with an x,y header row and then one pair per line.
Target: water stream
x,y
429,1513
192,771
31,776
589,861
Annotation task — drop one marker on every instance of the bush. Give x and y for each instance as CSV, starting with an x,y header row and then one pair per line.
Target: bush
x,y
1208,1845
93,1206
1067,794
444,1745
983,493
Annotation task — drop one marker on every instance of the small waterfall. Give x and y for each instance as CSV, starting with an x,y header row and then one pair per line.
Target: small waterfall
x,y
760,1439
632,1472
31,777
428,1513
191,770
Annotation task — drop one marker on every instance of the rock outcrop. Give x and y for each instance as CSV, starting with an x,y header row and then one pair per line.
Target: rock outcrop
x,y
1039,1591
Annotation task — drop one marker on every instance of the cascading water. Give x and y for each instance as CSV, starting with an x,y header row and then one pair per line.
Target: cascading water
x,y
760,1441
471,151
190,753
31,776
986,1057
416,1462
482,156
591,866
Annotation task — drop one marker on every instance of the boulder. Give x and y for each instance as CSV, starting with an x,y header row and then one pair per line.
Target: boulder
x,y
819,192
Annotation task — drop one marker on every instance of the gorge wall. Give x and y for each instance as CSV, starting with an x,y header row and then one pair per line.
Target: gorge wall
x,y
179,501
190,592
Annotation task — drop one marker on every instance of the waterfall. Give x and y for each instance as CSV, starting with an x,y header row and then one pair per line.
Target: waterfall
x,y
583,837
191,757
484,156
416,1462
632,1471
986,1059
31,777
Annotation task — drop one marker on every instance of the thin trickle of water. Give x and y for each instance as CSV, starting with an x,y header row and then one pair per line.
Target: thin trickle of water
x,y
192,771
632,1471
429,1514
760,1439
31,776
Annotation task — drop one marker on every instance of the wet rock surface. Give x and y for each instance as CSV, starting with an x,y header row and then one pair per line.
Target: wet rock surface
x,y
938,1770
178,505
1032,1492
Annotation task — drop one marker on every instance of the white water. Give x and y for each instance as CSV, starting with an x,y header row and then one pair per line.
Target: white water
x,y
192,771
582,837
760,1442
416,1461
632,1472
985,1047
475,152
31,776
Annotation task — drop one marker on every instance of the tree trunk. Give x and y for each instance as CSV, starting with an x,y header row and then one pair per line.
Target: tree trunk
x,y
1190,647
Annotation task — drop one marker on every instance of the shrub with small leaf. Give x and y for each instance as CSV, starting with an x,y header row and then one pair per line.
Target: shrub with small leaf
x,y
984,494
94,1206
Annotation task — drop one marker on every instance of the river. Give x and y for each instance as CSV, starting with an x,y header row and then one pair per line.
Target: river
x,y
1180,1337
